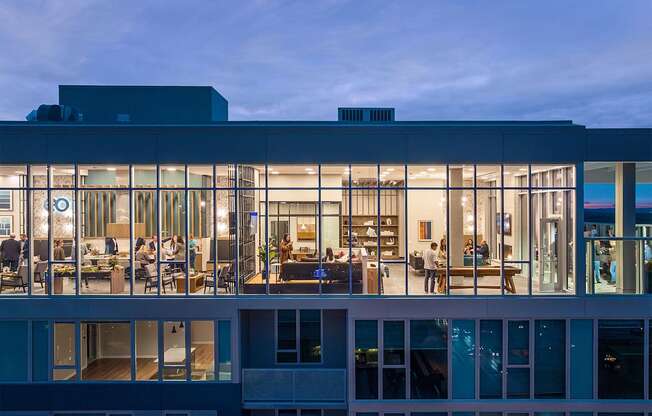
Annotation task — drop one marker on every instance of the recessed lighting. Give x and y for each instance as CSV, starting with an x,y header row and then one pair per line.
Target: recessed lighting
x,y
431,169
309,169
111,169
312,173
20,172
390,170
274,173
523,169
508,173
171,169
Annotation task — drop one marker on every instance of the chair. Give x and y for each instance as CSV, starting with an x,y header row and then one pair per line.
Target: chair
x,y
151,279
209,281
224,279
17,281
40,272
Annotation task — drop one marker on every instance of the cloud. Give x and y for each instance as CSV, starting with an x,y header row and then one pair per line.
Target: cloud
x,y
301,60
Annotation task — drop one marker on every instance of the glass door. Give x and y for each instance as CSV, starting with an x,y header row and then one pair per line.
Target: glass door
x,y
550,279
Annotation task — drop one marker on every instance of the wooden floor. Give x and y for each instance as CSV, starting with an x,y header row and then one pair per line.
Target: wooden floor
x,y
146,368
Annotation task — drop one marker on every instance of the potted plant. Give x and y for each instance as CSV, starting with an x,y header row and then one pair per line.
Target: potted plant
x,y
263,252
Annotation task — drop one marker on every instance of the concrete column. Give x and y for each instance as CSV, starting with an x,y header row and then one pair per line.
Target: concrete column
x,y
626,227
456,226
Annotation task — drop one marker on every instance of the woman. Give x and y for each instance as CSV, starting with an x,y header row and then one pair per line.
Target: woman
x,y
468,247
286,248
441,255
329,257
140,241
58,252
142,256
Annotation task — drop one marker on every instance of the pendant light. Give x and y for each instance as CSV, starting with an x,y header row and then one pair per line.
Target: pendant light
x,y
174,329
181,324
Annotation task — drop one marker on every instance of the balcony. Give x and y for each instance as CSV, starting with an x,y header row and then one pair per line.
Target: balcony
x,y
305,385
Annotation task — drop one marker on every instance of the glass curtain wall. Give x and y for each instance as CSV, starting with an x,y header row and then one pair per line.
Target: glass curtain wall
x,y
392,230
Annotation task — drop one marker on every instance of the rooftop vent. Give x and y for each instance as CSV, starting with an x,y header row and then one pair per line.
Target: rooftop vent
x,y
54,112
365,115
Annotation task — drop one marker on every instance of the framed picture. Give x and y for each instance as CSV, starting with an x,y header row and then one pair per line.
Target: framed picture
x,y
425,230
6,203
6,225
507,223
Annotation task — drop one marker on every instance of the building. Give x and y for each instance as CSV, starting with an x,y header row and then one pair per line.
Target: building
x,y
152,277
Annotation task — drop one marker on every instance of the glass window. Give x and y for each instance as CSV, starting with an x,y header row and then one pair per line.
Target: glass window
x,y
310,336
581,359
172,176
105,351
393,360
286,336
491,359
620,358
144,176
224,350
103,176
146,350
13,176
518,359
426,176
202,350
200,176
40,335
366,360
429,359
550,359
463,359
65,352
293,176
174,351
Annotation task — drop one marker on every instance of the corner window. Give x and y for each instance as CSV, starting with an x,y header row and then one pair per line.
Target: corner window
x,y
298,336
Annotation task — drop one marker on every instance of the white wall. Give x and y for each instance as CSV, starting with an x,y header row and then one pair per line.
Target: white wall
x,y
425,205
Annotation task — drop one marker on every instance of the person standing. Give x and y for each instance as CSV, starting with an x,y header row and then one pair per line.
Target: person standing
x,y
286,250
193,248
111,246
430,267
24,248
10,251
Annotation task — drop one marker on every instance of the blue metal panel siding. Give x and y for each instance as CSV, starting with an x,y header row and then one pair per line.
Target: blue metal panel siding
x,y
145,104
618,144
225,398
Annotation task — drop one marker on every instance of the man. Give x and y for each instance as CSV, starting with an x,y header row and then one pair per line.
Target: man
x,y
430,267
484,251
24,248
111,246
10,251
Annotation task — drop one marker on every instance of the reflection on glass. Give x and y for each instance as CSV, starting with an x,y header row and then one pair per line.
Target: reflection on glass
x,y
366,360
620,358
550,359
64,351
463,359
491,359
428,359
224,350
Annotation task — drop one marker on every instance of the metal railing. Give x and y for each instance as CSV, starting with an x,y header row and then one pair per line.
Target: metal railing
x,y
294,385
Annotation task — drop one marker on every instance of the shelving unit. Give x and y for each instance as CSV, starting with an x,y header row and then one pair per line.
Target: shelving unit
x,y
361,223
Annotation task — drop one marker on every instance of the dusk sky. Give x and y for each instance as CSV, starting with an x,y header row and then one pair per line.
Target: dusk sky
x,y
589,61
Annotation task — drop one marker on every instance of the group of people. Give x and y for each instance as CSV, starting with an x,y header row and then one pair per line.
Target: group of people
x,y
435,256
172,249
13,252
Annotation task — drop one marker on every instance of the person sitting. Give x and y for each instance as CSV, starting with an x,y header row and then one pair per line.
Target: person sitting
x,y
329,257
483,250
468,247
142,256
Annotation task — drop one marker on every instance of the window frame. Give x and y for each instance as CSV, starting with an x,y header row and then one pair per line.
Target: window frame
x,y
297,342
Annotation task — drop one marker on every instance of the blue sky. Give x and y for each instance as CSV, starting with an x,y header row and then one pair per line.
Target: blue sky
x,y
589,61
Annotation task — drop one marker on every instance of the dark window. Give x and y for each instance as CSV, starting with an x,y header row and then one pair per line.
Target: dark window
x,y
366,360
429,359
310,335
549,359
491,359
393,360
286,340
620,359
518,359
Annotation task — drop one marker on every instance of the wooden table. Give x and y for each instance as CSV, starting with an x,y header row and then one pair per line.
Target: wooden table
x,y
196,283
482,271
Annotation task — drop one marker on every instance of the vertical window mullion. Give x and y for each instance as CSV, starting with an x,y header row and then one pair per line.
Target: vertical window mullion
x,y
475,231
448,233
267,223
319,227
216,271
501,252
158,231
28,231
186,224
132,255
406,238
